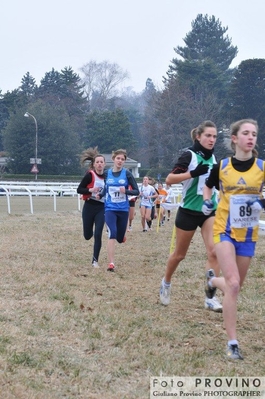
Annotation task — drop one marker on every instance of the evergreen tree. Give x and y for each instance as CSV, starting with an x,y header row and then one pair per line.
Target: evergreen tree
x,y
58,143
109,131
206,57
207,40
247,90
9,102
28,85
72,91
50,86
247,96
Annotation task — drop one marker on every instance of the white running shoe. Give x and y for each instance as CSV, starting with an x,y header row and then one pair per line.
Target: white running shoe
x,y
233,352
213,304
164,294
95,264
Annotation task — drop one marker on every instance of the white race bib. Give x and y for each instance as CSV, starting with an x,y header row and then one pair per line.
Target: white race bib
x,y
116,195
241,214
99,184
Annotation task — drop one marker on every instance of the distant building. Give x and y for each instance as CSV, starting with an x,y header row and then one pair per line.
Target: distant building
x,y
130,164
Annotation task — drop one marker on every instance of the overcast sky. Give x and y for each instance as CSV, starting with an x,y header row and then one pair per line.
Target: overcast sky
x,y
138,35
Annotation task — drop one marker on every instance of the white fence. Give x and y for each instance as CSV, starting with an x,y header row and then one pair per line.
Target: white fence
x,y
53,189
37,189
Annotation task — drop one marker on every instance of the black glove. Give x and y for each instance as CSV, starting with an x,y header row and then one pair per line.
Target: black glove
x,y
199,170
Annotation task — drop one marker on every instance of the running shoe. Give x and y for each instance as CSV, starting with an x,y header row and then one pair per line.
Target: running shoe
x,y
213,304
209,291
111,267
165,293
233,352
95,264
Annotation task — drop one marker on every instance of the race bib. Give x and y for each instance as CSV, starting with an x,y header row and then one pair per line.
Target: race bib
x,y
116,195
241,214
100,185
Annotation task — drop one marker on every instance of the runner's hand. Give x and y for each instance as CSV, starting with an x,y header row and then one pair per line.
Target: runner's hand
x,y
207,207
199,170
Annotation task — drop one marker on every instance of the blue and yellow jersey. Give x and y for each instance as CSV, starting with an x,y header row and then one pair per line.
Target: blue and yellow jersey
x,y
234,216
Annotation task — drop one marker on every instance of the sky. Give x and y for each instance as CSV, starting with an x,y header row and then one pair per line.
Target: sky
x,y
138,35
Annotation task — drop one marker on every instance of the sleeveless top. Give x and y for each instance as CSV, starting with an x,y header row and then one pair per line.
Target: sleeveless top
x,y
115,200
192,193
147,191
95,182
234,216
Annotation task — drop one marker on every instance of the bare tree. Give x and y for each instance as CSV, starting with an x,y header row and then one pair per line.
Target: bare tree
x,y
102,79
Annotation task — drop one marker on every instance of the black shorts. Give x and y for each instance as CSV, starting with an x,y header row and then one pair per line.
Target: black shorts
x,y
189,220
132,204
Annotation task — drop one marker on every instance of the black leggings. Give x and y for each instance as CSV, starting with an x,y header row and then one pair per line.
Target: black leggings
x,y
93,217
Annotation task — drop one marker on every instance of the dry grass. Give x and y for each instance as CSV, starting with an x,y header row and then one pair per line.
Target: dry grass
x,y
70,331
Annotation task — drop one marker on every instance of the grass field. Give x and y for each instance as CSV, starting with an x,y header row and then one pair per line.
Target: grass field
x,y
70,331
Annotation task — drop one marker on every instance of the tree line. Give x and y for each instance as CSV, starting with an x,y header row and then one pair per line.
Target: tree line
x,y
75,112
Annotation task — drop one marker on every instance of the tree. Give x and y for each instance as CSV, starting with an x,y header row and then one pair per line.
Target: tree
x,y
109,131
206,57
50,86
207,40
28,85
58,143
72,92
247,91
151,150
247,95
170,115
65,89
9,102
195,89
101,81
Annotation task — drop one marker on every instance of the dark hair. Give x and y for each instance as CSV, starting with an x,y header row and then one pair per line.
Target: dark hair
x,y
234,128
90,154
197,131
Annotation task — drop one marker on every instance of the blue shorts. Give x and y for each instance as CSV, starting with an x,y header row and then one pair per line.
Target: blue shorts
x,y
146,206
242,248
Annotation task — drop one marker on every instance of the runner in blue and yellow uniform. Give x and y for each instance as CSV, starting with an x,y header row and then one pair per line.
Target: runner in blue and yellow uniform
x,y
240,180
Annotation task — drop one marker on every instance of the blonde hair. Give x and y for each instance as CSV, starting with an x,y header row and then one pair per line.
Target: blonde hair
x,y
90,154
118,152
197,131
234,128
151,181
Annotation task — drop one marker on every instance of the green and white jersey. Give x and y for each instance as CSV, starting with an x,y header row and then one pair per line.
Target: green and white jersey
x,y
192,194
